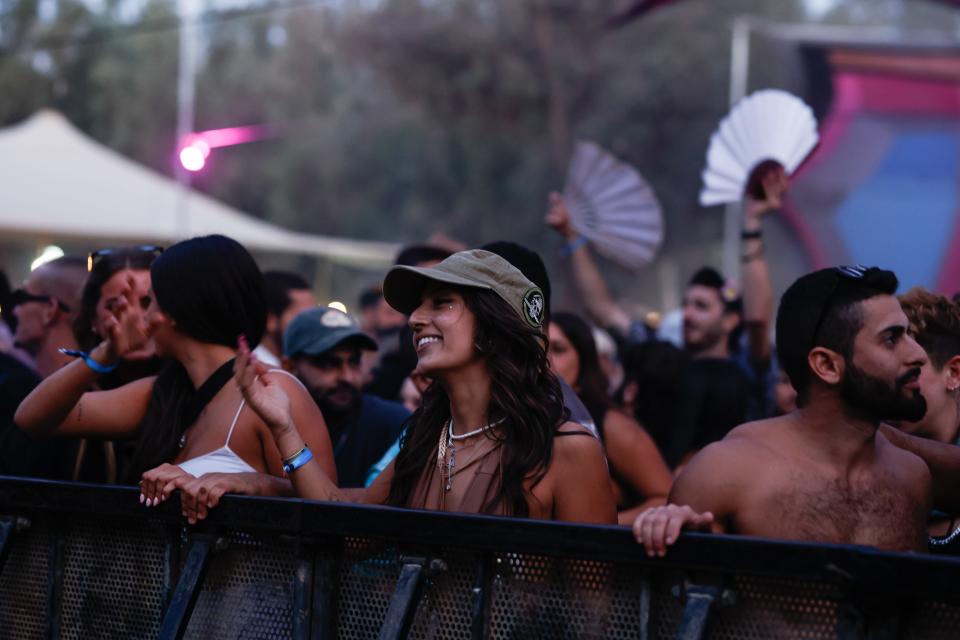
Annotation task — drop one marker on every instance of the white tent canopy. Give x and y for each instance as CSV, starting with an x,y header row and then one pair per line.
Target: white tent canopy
x,y
57,182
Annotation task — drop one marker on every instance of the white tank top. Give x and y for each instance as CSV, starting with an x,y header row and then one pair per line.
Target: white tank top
x,y
222,460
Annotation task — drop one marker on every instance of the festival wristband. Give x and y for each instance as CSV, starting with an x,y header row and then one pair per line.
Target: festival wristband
x,y
297,460
572,246
88,359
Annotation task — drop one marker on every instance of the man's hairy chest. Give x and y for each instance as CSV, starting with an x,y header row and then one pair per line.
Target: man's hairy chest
x,y
883,510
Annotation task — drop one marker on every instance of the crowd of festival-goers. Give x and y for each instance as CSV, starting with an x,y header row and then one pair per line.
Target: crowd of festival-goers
x,y
457,387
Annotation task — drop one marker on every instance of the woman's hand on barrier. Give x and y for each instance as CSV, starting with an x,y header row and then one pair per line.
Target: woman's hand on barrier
x,y
263,394
659,527
126,327
199,495
158,483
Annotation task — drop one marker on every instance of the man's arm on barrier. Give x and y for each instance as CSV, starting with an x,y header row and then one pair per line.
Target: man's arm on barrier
x,y
703,497
942,459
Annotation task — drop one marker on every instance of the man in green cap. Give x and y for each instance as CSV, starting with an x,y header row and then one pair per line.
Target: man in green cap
x,y
322,347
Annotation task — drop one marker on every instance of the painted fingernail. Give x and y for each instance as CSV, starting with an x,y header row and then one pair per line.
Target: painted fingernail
x,y
142,498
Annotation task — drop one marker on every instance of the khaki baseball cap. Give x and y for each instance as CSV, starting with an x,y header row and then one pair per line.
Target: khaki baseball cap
x,y
478,269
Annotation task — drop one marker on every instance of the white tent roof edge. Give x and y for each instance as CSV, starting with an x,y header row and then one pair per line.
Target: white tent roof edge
x,y
59,183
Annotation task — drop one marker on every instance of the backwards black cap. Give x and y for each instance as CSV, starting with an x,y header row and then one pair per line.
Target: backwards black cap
x,y
808,305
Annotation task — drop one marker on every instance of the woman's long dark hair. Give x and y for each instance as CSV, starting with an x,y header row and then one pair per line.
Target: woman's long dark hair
x,y
523,390
214,291
656,368
591,383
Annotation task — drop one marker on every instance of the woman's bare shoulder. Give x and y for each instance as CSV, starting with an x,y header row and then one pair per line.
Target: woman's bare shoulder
x,y
574,441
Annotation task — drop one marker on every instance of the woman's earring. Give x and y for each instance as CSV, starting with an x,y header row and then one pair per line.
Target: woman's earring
x,y
478,347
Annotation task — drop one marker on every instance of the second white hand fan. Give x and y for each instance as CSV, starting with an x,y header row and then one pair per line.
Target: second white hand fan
x,y
766,125
613,206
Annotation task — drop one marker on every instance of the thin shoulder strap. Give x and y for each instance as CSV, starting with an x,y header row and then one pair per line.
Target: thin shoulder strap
x,y
289,375
243,402
234,423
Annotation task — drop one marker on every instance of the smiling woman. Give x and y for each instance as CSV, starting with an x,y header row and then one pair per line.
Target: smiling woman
x,y
492,435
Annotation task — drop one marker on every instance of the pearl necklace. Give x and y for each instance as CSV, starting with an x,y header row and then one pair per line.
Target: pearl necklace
x,y
447,445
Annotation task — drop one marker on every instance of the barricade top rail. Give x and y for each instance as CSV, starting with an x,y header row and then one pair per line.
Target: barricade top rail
x,y
861,568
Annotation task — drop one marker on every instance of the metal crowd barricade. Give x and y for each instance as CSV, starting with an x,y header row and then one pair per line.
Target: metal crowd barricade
x,y
89,562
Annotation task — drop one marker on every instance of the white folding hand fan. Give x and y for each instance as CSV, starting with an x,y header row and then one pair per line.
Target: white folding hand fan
x,y
766,125
613,206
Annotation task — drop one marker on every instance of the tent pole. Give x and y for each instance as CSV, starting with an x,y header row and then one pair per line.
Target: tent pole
x,y
186,95
739,69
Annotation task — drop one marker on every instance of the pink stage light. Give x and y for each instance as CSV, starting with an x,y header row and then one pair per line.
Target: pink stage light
x,y
192,158
196,147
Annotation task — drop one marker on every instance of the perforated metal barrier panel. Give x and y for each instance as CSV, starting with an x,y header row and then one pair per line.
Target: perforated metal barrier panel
x,y
86,576
23,586
112,579
248,592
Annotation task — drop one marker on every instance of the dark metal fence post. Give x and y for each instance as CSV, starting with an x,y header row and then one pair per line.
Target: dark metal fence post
x,y
701,599
480,602
406,596
177,616
302,588
7,527
326,568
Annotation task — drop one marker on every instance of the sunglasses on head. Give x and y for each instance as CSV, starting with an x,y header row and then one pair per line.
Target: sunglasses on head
x,y
22,296
95,257
845,273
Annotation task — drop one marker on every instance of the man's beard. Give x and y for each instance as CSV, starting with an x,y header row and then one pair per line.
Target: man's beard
x,y
336,409
879,401
709,338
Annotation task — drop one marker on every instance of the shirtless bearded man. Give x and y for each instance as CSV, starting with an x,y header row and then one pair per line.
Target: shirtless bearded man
x,y
823,473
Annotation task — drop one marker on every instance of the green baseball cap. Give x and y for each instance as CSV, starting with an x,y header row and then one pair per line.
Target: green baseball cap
x,y
478,269
317,331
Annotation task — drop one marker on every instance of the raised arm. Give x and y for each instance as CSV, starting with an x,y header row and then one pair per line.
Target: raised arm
x,y
586,276
310,425
267,396
61,404
758,299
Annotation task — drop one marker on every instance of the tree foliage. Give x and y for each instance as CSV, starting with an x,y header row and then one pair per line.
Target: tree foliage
x,y
401,118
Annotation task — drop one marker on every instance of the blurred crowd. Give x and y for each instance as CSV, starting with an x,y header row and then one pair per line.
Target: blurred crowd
x,y
830,415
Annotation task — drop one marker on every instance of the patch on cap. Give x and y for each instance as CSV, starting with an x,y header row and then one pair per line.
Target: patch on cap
x,y
533,307
334,319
